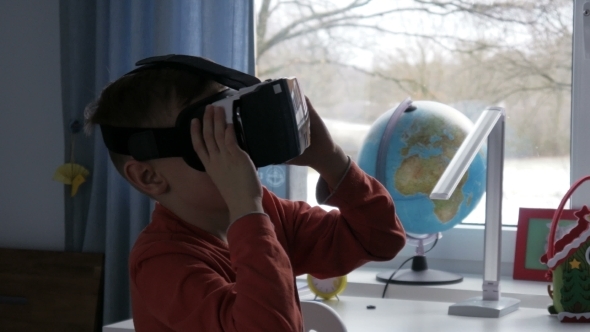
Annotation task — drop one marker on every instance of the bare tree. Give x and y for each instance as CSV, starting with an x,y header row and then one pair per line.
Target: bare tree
x,y
511,52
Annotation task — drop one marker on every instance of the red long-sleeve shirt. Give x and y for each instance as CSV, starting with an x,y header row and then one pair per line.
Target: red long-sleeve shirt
x,y
185,279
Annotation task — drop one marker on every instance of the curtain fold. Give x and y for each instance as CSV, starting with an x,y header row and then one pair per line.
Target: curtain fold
x,y
100,41
77,90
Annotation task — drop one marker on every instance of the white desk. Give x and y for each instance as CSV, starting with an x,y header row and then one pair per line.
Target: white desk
x,y
124,326
410,315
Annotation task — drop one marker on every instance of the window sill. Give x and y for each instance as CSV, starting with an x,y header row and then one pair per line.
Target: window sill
x,y
460,250
363,282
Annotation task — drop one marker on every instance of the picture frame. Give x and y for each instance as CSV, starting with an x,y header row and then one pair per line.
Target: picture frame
x,y
531,240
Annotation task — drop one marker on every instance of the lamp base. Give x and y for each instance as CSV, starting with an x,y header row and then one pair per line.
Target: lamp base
x,y
427,277
477,307
419,274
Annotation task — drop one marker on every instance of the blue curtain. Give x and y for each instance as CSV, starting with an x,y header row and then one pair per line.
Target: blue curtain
x,y
100,41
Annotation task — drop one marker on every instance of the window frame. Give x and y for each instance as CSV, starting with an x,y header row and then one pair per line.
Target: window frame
x,y
460,250
580,136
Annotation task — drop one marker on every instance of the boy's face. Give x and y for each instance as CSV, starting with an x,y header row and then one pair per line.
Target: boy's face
x,y
192,188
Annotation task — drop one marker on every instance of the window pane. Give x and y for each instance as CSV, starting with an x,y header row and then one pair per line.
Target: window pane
x,y
356,59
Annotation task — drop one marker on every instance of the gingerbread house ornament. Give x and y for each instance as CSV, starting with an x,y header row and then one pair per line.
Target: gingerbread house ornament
x,y
568,260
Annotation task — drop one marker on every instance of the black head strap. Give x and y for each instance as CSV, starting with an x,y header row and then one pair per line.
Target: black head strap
x,y
152,143
142,143
226,76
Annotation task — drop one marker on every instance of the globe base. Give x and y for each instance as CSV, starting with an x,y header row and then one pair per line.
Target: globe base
x,y
419,274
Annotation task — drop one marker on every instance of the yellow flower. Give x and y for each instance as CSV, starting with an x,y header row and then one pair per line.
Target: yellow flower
x,y
72,174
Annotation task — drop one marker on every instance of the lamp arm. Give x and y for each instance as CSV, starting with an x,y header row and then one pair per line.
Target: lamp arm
x,y
469,148
493,221
490,126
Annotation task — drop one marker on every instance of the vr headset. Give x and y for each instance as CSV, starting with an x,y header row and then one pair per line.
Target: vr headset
x,y
270,118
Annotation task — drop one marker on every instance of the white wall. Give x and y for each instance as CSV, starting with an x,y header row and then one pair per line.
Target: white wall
x,y
31,137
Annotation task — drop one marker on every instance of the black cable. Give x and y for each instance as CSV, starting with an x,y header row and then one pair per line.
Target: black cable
x,y
391,276
402,264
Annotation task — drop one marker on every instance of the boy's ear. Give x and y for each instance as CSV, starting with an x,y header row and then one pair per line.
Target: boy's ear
x,y
145,178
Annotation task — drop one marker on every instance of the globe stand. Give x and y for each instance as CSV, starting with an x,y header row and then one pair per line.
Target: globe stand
x,y
419,274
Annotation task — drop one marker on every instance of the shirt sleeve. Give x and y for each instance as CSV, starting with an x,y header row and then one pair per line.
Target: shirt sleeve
x,y
192,295
364,228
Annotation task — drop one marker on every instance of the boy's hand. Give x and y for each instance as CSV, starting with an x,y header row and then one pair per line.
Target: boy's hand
x,y
226,163
323,155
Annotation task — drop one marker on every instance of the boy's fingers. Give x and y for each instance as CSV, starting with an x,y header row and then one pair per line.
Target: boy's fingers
x,y
197,139
208,134
219,126
230,138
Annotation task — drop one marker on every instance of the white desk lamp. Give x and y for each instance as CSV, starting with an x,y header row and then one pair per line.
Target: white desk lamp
x,y
490,125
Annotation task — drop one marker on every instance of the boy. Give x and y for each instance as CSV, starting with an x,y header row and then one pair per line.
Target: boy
x,y
221,252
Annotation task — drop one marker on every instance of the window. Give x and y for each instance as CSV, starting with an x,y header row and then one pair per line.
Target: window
x,y
356,59
580,100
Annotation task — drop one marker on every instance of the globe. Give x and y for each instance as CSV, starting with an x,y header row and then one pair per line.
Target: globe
x,y
421,144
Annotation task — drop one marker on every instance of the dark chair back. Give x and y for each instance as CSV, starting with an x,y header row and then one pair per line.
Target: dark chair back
x,y
50,291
